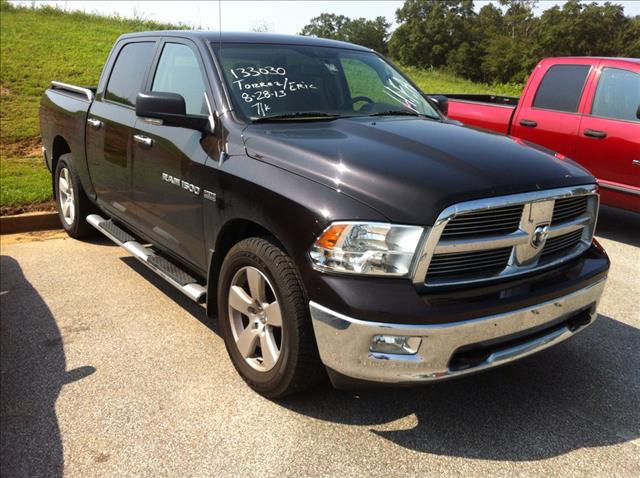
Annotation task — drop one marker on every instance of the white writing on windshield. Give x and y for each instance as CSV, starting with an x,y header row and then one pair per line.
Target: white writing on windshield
x,y
260,92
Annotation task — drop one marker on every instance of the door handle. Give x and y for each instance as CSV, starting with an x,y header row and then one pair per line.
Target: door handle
x,y
594,133
143,140
636,162
528,123
96,123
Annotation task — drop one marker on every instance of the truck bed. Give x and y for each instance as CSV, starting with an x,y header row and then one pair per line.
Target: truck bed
x,y
87,92
492,112
63,118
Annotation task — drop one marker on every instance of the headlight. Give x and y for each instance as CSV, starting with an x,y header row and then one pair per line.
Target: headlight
x,y
361,248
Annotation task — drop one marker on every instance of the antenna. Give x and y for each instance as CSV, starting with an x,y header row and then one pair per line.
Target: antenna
x,y
220,25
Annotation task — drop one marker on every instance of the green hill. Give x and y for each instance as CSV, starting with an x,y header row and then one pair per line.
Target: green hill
x,y
44,44
40,45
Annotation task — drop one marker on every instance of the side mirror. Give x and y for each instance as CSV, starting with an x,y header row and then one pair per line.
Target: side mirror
x,y
638,112
170,109
442,102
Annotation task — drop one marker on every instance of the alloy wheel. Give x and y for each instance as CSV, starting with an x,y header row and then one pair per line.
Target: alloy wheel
x,y
66,196
255,318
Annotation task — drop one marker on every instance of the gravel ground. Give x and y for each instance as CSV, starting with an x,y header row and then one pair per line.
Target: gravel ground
x,y
107,371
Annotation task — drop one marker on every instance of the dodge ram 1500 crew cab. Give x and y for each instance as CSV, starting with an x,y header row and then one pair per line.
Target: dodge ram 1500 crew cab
x,y
585,108
324,209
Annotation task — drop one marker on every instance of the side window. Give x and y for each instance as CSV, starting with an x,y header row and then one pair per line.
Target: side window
x,y
179,72
617,95
561,88
128,72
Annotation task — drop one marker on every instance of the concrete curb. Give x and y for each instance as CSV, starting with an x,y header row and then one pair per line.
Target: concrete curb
x,y
31,221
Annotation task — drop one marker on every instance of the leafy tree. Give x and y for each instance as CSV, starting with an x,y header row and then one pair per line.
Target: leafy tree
x,y
430,30
326,25
500,43
583,29
370,33
508,54
630,39
466,60
519,21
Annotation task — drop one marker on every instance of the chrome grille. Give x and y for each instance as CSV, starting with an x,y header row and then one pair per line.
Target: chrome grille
x,y
569,208
561,244
452,265
505,236
495,221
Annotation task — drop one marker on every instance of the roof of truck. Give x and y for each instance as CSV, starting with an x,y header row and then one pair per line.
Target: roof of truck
x,y
241,37
590,58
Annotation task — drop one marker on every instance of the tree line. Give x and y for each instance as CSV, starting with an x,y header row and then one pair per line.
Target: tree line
x,y
499,43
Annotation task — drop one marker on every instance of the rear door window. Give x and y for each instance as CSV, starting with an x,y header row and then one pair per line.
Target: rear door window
x,y
129,72
617,95
561,88
179,72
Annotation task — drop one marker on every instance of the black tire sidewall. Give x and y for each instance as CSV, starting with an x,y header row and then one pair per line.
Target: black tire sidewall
x,y
274,378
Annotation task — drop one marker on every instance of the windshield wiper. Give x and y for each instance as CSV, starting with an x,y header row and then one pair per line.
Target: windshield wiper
x,y
403,113
395,112
297,115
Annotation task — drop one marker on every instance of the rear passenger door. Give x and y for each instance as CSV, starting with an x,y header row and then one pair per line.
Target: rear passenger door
x,y
110,125
168,170
550,116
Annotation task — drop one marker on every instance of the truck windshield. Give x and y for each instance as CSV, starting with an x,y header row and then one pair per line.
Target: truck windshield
x,y
293,82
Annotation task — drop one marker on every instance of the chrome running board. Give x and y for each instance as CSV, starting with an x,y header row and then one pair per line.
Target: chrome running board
x,y
174,275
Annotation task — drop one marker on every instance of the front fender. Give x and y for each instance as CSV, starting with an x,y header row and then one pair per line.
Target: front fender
x,y
293,209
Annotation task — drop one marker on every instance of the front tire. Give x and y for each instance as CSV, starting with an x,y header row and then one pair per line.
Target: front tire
x,y
264,320
73,204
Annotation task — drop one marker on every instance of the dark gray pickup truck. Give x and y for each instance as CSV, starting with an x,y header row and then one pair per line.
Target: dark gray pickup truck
x,y
324,209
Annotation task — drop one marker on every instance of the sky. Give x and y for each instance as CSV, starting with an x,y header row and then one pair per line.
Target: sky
x,y
286,17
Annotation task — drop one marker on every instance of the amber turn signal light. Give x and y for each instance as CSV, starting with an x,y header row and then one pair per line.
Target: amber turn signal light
x,y
330,236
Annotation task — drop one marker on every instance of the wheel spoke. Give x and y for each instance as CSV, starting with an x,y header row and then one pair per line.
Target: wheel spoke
x,y
65,208
256,284
274,315
72,211
247,341
63,185
239,300
269,349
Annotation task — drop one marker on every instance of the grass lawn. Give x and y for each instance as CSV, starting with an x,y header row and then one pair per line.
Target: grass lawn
x,y
44,44
40,45
23,182
436,81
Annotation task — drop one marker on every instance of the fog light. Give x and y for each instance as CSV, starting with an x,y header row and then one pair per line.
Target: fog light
x,y
395,344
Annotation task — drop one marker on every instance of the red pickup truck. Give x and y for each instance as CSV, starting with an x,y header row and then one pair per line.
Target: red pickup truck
x,y
582,107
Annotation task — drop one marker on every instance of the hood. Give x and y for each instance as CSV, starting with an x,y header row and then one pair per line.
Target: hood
x,y
409,169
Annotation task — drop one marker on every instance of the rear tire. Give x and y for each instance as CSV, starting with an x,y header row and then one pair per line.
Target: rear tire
x,y
264,320
73,204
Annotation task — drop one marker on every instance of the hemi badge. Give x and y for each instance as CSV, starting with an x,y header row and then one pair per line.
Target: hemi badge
x,y
210,196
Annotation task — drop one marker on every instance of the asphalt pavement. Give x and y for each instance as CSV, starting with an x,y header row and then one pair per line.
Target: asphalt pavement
x,y
107,371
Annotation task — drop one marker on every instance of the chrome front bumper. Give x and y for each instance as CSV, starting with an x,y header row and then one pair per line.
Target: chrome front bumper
x,y
344,342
